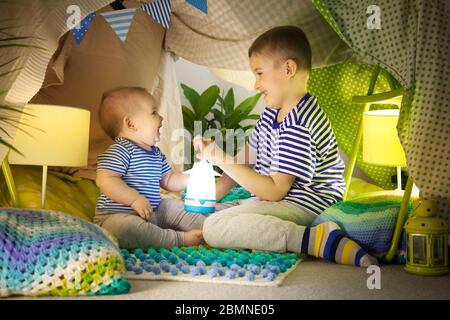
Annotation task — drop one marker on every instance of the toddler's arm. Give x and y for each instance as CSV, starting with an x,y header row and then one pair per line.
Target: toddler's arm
x,y
174,181
112,186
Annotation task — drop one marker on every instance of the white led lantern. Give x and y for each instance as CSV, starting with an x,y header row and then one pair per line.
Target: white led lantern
x,y
201,188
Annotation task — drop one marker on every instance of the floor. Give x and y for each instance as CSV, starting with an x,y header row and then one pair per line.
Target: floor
x,y
313,279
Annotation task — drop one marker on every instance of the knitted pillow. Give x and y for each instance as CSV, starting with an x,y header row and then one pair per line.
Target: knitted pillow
x,y
46,252
370,224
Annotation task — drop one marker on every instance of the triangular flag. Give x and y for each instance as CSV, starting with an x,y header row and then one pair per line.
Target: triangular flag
x,y
201,5
160,11
79,31
120,21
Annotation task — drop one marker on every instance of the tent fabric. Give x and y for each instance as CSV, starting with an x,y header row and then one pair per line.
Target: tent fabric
x,y
45,21
77,75
413,44
334,86
221,38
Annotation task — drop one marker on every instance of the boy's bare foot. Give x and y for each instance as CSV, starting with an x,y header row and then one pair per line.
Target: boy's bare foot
x,y
193,237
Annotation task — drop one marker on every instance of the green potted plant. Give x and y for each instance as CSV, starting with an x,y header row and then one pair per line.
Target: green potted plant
x,y
210,110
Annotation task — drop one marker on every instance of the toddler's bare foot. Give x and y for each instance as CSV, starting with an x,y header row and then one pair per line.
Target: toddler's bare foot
x,y
193,237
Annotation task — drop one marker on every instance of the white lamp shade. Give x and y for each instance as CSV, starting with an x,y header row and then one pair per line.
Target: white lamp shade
x,y
56,136
381,145
201,184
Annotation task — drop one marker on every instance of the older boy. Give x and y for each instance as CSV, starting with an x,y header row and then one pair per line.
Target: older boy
x,y
298,171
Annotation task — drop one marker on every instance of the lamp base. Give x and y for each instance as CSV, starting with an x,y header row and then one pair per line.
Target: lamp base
x,y
424,271
202,206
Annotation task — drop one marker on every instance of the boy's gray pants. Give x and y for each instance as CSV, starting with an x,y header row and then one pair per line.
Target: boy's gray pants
x,y
242,224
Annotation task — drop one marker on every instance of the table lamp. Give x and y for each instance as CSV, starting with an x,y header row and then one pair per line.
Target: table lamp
x,y
51,135
381,146
201,188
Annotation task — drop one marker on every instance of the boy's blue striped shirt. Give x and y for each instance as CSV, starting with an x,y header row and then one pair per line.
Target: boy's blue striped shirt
x,y
140,169
303,145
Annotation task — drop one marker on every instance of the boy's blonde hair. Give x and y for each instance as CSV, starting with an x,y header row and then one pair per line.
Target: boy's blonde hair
x,y
116,104
286,42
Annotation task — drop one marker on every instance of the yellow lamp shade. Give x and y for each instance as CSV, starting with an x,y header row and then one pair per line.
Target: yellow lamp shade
x,y
51,135
381,145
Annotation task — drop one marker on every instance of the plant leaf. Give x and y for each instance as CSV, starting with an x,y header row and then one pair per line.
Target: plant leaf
x,y
247,127
219,117
6,132
246,106
212,124
10,71
235,118
14,109
14,38
10,146
229,101
4,64
253,117
192,97
207,100
188,113
19,45
188,118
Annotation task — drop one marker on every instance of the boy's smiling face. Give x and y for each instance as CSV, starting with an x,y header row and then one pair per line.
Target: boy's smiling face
x,y
270,78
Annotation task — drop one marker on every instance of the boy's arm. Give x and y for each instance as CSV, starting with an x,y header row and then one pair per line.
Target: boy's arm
x,y
270,188
112,186
226,183
174,181
223,186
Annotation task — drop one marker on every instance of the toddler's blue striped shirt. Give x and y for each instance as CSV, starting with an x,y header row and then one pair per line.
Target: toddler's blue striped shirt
x,y
303,145
140,169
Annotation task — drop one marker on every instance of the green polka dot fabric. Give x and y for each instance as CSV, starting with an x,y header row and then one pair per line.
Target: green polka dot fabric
x,y
334,87
412,42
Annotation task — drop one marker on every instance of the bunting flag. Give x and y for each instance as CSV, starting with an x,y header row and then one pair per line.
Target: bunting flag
x,y
120,21
160,11
80,30
201,5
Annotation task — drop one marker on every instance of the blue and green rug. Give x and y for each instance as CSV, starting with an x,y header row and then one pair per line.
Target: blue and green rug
x,y
212,265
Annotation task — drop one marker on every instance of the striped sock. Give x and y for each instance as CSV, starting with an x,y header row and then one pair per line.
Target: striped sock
x,y
329,242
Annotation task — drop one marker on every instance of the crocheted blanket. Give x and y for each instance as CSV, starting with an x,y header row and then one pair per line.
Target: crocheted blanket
x,y
370,224
53,253
207,264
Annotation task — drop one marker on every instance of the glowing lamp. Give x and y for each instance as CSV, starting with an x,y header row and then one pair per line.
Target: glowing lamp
x,y
201,188
51,135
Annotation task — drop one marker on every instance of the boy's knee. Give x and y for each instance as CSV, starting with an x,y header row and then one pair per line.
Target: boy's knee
x,y
211,231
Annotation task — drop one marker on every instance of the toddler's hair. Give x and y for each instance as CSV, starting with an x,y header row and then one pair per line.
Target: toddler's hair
x,y
115,105
286,42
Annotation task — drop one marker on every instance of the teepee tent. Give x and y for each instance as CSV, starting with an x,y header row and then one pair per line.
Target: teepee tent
x,y
410,42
